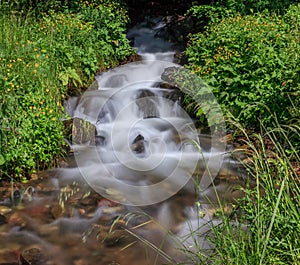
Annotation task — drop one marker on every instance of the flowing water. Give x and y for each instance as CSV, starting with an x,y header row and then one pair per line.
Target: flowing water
x,y
130,196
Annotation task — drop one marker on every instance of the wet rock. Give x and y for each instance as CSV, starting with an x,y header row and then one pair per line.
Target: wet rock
x,y
83,132
82,211
80,262
16,219
205,142
175,95
37,211
169,75
107,111
2,219
138,145
17,197
180,58
4,210
146,104
56,210
88,201
166,86
100,140
106,202
70,105
177,29
93,86
33,256
9,255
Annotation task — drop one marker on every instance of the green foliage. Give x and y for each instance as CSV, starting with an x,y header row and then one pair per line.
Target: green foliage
x,y
253,64
40,59
253,6
39,7
222,8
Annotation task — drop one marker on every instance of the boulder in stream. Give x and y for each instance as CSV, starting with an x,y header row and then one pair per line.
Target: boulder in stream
x,y
83,132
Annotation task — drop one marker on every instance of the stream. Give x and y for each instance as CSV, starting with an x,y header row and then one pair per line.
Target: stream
x,y
143,184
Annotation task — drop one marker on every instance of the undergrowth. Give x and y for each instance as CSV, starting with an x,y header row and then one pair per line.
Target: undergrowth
x,y
270,209
251,63
44,53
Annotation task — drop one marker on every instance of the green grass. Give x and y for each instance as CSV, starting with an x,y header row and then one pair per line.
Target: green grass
x,y
270,210
41,59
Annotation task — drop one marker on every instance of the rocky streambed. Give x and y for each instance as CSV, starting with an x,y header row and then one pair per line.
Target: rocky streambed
x,y
47,222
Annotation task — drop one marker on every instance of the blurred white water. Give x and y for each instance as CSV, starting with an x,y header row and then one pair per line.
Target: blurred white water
x,y
148,146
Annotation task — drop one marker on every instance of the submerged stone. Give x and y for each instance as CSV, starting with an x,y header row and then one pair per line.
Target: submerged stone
x,y
4,210
33,256
2,219
9,255
56,210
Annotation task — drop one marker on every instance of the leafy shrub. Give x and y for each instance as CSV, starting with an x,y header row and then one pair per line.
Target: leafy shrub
x,y
252,63
40,7
243,7
31,132
82,43
40,59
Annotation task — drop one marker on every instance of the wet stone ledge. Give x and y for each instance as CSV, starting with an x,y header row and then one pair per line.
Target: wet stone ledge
x,y
83,132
